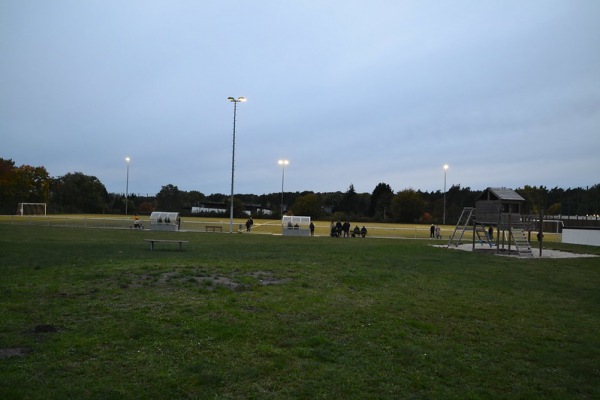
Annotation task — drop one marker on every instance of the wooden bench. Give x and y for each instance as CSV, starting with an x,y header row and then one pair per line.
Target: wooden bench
x,y
213,228
152,241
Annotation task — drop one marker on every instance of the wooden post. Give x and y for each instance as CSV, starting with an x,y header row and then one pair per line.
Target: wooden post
x,y
509,233
503,235
497,238
541,231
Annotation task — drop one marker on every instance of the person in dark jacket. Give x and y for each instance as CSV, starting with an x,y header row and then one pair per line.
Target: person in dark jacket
x,y
363,231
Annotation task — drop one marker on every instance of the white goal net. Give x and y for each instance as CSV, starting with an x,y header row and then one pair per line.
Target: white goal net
x,y
31,209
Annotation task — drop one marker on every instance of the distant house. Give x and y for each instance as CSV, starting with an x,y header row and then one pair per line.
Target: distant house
x,y
256,209
209,208
221,208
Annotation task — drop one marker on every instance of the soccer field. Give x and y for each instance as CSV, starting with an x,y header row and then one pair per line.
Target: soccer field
x,y
261,226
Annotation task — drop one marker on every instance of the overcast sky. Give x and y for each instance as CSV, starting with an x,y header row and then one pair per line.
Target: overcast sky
x,y
507,93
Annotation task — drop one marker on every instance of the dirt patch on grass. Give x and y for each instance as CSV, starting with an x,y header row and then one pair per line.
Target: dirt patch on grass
x,y
14,352
213,282
242,282
206,280
7,352
45,329
266,278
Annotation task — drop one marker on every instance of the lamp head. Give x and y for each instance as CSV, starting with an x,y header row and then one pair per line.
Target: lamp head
x,y
283,162
239,99
446,167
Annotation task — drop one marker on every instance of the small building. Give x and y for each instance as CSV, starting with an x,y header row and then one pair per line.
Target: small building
x,y
164,221
499,207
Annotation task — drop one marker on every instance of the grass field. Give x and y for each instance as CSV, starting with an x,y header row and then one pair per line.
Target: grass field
x,y
265,226
93,313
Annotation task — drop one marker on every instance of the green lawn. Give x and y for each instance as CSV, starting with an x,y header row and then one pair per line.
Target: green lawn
x,y
93,313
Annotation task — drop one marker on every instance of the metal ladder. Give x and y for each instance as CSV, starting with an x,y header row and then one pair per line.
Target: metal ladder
x,y
461,226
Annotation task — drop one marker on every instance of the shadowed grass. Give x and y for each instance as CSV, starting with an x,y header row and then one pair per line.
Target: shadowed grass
x,y
260,316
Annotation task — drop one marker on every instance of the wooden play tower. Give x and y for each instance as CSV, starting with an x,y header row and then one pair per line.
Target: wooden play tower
x,y
497,211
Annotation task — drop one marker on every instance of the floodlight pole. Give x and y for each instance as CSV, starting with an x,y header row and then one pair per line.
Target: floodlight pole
x,y
234,101
444,217
127,159
283,164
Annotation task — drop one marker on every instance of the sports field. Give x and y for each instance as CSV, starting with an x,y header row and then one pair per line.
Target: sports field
x,y
91,312
263,226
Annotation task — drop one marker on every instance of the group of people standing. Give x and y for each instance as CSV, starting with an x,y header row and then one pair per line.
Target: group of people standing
x,y
343,230
435,232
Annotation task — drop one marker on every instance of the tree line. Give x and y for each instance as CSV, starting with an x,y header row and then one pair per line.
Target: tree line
x,y
79,193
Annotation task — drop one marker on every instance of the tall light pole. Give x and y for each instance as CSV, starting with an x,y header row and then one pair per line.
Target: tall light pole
x,y
234,101
127,159
283,164
445,170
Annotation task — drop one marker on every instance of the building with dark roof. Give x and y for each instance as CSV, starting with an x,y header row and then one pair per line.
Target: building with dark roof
x,y
498,207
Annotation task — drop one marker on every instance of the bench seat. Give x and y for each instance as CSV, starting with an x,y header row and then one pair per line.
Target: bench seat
x,y
152,241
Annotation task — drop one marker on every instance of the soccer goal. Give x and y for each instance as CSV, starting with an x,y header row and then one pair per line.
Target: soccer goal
x,y
31,209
